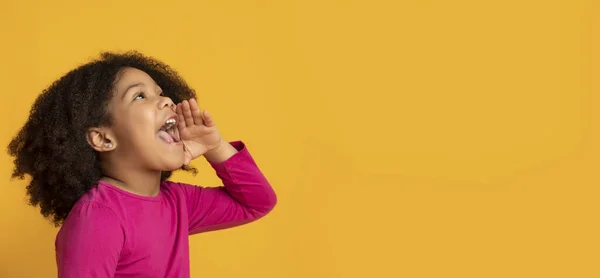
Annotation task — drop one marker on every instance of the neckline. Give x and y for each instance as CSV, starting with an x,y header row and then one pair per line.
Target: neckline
x,y
131,194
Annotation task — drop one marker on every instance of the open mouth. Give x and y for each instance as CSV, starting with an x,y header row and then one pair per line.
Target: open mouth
x,y
168,132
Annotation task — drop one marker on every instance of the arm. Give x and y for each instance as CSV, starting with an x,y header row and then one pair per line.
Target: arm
x,y
89,243
245,196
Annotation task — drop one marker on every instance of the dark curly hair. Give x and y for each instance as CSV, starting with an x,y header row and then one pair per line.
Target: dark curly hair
x,y
51,147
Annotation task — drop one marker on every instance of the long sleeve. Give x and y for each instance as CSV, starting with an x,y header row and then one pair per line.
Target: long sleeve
x,y
89,243
245,196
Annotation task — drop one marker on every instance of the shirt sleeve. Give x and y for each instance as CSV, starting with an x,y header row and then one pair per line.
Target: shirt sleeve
x,y
245,196
89,242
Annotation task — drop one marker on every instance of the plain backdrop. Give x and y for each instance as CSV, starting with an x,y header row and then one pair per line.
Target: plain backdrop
x,y
409,138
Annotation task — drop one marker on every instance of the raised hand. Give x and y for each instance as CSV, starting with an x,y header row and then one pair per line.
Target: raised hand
x,y
197,130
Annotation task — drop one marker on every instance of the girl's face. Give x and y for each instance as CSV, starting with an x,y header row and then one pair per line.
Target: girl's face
x,y
144,123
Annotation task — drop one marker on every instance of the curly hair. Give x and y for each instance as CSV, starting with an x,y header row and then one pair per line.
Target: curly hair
x,y
52,148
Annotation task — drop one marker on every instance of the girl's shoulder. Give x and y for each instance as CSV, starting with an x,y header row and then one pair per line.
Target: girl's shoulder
x,y
96,201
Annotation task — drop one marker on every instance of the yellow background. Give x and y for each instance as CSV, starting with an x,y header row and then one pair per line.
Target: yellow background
x,y
414,138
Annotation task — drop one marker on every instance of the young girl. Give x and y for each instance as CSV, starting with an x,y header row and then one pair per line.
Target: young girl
x,y
99,146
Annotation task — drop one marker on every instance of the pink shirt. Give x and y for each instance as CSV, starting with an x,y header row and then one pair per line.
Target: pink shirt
x,y
114,233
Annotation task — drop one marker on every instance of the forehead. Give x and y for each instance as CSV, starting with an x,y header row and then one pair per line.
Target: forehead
x,y
131,76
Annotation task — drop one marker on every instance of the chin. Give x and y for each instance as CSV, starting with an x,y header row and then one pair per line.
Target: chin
x,y
171,169
173,166
171,163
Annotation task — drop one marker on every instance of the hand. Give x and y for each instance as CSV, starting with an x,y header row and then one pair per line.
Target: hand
x,y
197,130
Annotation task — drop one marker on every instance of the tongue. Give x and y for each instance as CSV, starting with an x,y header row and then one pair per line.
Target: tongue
x,y
165,136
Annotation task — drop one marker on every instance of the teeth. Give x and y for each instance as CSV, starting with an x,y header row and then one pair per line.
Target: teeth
x,y
169,124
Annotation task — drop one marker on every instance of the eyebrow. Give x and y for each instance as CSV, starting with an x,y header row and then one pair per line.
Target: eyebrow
x,y
129,87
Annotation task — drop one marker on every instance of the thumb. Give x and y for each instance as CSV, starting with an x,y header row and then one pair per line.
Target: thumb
x,y
188,155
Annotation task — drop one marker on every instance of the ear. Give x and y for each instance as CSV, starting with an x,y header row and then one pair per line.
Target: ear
x,y
101,139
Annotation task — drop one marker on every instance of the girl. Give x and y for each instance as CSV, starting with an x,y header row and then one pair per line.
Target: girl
x,y
99,146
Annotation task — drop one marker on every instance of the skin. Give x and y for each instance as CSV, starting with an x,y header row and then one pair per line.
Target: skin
x,y
131,152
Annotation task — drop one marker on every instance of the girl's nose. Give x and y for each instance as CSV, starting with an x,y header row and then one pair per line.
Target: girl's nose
x,y
167,103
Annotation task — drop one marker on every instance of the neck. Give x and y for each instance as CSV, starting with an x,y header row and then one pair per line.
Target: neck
x,y
134,180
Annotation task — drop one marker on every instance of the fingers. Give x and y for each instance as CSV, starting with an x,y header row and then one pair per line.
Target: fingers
x,y
196,114
187,113
180,119
208,120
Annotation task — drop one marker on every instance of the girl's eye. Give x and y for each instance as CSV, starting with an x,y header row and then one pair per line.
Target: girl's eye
x,y
140,96
162,94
